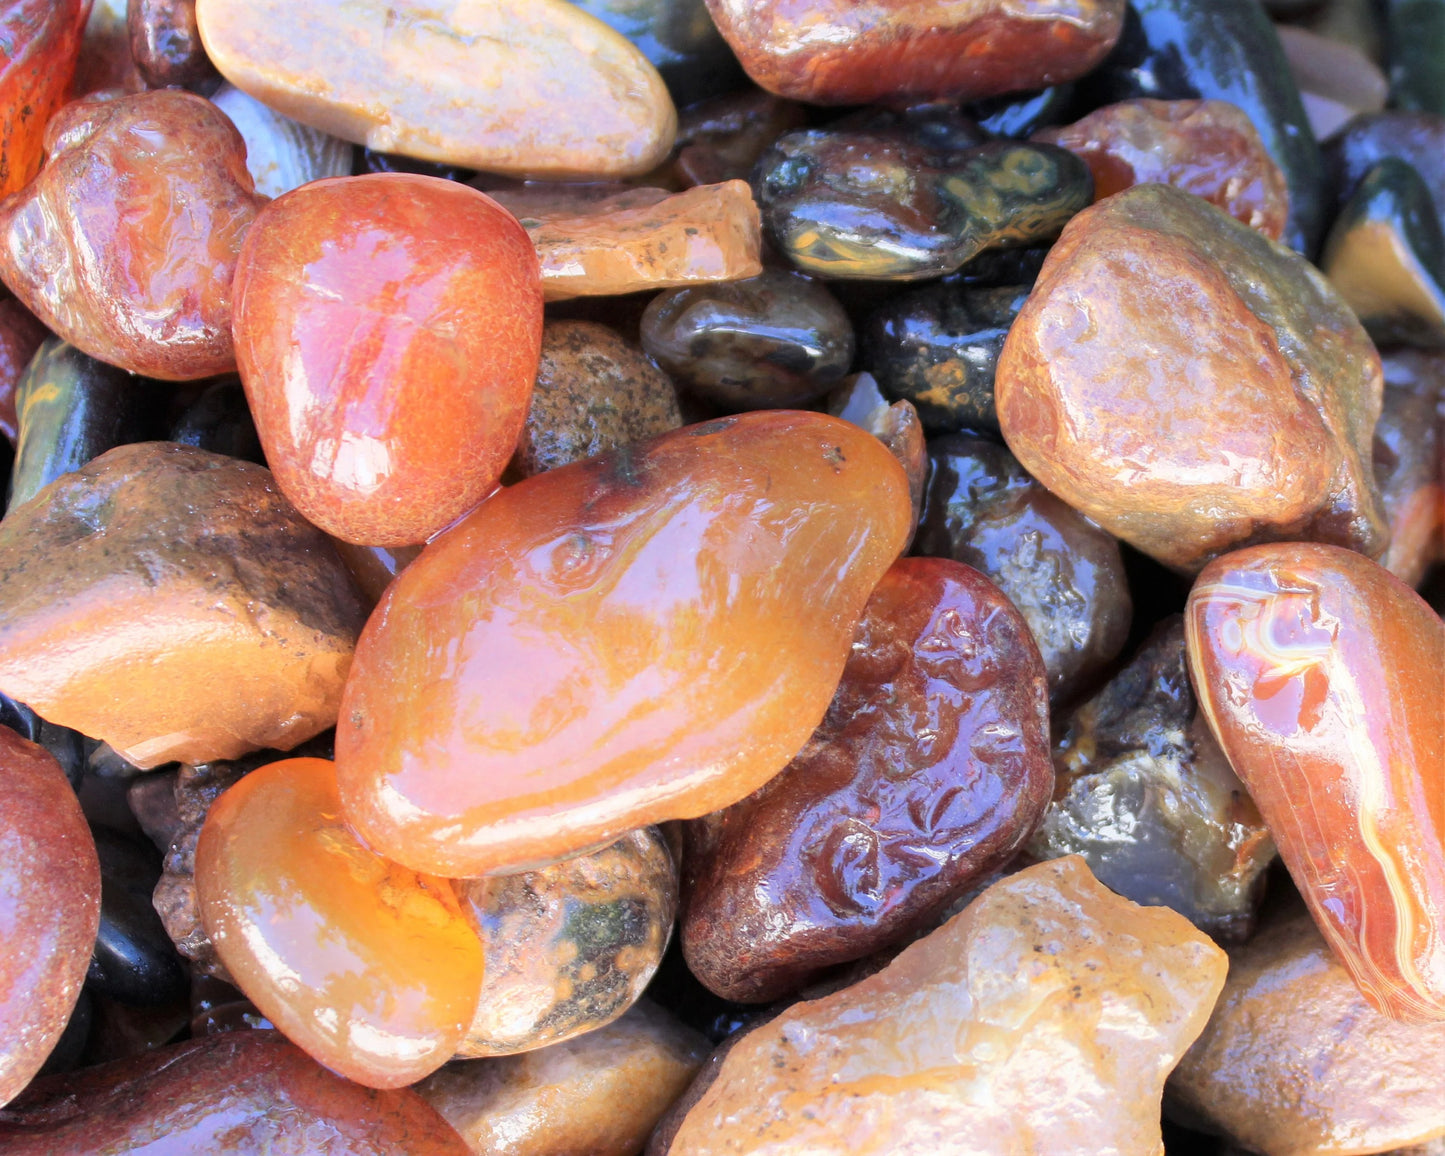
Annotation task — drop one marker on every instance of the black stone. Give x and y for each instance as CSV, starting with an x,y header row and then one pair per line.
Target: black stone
x,y
134,960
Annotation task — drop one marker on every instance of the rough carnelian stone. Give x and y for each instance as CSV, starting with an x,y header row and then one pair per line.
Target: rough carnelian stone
x,y
49,907
39,44
387,329
370,967
1323,677
647,635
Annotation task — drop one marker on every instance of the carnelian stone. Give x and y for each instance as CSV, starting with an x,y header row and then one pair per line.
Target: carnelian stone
x,y
387,330
1323,677
39,44
369,967
647,635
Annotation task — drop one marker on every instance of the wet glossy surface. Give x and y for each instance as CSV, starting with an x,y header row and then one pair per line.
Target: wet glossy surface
x,y
133,962
860,401
126,243
579,99
172,603
41,41
1183,444
1042,1019
1410,460
369,967
700,648
20,336
678,38
721,139
166,45
49,907
387,330
219,420
238,1092
1417,138
930,768
282,154
845,52
1320,674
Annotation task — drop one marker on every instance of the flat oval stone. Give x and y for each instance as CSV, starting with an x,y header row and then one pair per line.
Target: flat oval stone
x,y
937,738
166,46
49,907
237,1092
387,331
1182,444
773,341
238,618
1146,796
1205,147
914,51
281,154
640,239
368,966
21,336
1410,460
689,675
569,947
126,243
1048,989
41,40
465,87
1320,674
1294,1061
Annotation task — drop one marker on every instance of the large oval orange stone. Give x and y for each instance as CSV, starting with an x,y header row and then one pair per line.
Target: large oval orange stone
x,y
648,635
387,330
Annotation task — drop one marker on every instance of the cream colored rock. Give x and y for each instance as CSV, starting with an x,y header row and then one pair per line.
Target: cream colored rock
x,y
281,154
524,87
1042,1021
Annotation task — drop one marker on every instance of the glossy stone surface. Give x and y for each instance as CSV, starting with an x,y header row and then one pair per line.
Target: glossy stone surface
x,y
1295,1063
71,409
368,966
387,330
172,603
842,52
938,347
1146,796
1320,674
678,38
1417,138
1048,990
166,45
49,907
776,340
1385,255
536,89
1205,147
1064,574
219,420
133,961
930,768
1410,460
237,1092
638,239
569,947
1224,50
896,203
860,401
67,747
281,154
594,393
20,336
126,243
700,650
1181,444
721,139
598,1094
41,40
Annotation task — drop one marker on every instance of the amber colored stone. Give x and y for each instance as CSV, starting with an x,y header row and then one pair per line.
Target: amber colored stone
x,y
639,239
126,243
570,946
597,1095
39,43
237,1092
1242,412
49,907
537,88
846,52
166,45
369,967
20,336
682,611
1044,1018
171,602
1321,674
1295,1063
1205,147
387,331
1410,461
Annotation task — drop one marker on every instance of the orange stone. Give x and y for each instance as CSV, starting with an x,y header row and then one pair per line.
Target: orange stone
x,y
646,635
39,45
370,968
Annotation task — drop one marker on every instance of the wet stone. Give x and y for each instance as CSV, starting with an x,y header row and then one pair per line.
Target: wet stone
x,y
21,335
721,139
69,748
152,801
1065,575
166,46
1417,138
281,154
772,341
219,421
134,961
1146,796
105,62
678,38
1021,115
41,44
860,401
1410,460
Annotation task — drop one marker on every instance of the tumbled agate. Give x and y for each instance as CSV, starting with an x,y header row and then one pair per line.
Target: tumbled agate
x,y
369,967
647,635
39,43
1323,677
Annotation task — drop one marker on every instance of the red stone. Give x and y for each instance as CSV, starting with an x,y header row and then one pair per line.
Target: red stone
x,y
39,44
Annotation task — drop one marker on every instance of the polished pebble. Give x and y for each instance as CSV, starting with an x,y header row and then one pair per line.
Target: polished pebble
x,y
1410,460
41,44
166,45
133,962
281,154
